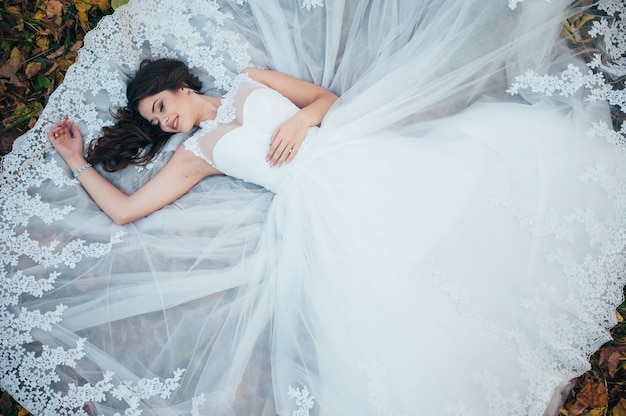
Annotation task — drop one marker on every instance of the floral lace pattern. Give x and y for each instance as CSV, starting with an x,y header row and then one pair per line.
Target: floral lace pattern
x,y
377,387
304,400
573,80
559,332
106,53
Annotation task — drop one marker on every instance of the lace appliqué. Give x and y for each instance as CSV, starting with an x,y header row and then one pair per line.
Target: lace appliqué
x,y
563,355
593,83
304,400
226,113
306,4
111,53
196,403
377,388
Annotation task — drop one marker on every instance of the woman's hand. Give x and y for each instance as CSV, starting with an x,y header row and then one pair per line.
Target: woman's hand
x,y
286,141
67,140
313,101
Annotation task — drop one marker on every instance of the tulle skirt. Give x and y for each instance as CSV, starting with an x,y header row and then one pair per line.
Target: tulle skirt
x,y
404,286
443,247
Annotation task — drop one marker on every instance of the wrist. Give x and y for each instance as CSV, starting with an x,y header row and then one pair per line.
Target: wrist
x,y
80,170
75,162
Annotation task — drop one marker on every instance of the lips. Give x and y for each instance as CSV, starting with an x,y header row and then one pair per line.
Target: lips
x,y
174,123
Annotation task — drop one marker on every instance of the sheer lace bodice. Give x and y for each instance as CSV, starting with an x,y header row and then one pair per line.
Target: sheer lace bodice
x,y
237,141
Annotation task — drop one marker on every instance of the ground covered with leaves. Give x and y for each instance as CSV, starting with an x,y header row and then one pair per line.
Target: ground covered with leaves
x,y
40,40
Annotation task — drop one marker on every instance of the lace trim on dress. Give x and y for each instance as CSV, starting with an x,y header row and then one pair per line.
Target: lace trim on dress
x,y
594,83
304,400
226,113
111,53
562,336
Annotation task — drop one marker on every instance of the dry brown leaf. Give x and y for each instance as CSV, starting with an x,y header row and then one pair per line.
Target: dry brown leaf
x,y
76,46
32,69
10,67
593,395
54,8
55,54
620,408
611,359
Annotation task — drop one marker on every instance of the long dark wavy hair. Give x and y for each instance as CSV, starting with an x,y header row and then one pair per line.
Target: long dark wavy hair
x,y
133,139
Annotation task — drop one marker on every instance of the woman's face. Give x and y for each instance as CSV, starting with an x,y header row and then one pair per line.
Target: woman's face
x,y
172,110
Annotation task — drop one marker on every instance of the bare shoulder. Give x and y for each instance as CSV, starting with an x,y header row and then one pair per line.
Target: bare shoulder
x,y
191,159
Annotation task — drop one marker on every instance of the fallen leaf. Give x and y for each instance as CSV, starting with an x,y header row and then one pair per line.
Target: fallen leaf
x,y
10,67
55,54
43,42
593,395
54,8
620,408
32,69
23,412
76,46
611,358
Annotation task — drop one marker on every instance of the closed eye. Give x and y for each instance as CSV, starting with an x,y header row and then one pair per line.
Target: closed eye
x,y
155,122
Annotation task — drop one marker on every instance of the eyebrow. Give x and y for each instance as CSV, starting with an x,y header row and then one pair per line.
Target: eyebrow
x,y
153,104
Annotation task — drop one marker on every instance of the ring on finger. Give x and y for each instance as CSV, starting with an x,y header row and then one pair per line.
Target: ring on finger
x,y
56,135
289,150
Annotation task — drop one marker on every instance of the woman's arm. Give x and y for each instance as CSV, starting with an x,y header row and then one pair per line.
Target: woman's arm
x,y
313,100
181,173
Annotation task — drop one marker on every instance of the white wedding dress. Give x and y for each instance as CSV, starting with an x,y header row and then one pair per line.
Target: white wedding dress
x,y
437,246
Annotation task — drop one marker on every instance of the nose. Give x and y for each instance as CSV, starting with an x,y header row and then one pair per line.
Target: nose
x,y
162,121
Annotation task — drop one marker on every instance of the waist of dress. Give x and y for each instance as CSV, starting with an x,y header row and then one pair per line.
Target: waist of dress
x,y
296,164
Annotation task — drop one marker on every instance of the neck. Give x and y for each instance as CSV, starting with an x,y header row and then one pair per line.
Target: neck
x,y
209,107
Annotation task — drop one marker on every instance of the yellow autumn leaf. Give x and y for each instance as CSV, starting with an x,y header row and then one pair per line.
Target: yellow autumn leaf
x,y
43,42
582,20
82,7
23,412
40,15
598,411
15,53
102,4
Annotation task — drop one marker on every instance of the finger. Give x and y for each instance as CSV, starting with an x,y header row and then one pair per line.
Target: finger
x,y
74,130
55,132
274,144
292,154
60,126
276,148
278,153
285,154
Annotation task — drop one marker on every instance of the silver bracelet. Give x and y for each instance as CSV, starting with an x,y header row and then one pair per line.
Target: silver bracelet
x,y
81,169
